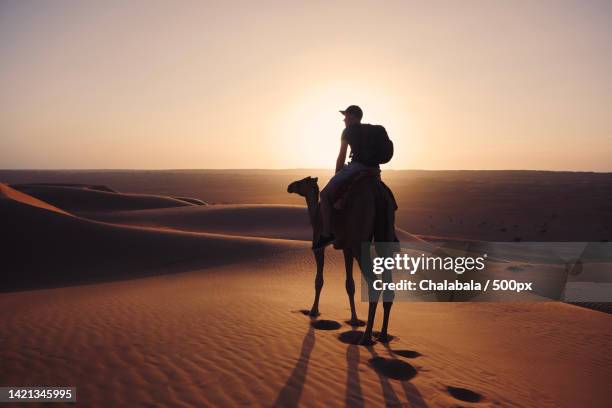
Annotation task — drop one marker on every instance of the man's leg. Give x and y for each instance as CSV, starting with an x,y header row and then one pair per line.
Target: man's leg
x,y
326,210
326,196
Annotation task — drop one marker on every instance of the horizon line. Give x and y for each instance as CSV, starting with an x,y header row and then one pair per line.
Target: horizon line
x,y
296,169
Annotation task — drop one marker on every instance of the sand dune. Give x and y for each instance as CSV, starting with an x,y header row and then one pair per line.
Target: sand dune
x,y
97,187
8,193
72,249
273,221
255,220
82,200
48,247
191,200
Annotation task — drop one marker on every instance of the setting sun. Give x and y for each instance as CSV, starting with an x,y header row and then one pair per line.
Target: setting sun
x,y
310,130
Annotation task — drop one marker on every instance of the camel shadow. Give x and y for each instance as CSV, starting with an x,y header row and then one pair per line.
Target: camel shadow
x,y
413,395
353,396
325,325
290,394
385,368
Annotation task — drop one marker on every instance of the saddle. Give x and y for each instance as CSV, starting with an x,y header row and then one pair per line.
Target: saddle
x,y
344,191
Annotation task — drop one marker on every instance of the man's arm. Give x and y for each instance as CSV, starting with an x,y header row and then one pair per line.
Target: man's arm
x,y
342,155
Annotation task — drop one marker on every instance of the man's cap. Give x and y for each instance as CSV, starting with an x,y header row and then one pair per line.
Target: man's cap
x,y
353,110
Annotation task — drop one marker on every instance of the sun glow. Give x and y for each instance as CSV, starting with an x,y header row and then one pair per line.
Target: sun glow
x,y
313,125
216,85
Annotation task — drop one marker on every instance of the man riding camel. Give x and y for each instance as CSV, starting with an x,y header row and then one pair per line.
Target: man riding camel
x,y
362,158
367,213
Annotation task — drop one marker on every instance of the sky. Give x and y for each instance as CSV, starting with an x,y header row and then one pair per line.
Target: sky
x,y
258,84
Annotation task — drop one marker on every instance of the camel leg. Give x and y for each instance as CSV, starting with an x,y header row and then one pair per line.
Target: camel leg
x,y
365,265
388,297
384,336
366,340
350,287
319,258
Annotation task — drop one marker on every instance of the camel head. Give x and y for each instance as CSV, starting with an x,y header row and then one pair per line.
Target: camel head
x,y
307,185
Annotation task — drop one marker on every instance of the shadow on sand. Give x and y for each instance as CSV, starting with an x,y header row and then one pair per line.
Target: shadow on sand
x,y
390,368
385,368
326,325
463,394
289,395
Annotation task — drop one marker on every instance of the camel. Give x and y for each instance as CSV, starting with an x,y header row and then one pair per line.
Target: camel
x,y
352,226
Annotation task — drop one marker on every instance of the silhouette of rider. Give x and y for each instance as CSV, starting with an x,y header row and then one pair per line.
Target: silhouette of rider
x,y
351,136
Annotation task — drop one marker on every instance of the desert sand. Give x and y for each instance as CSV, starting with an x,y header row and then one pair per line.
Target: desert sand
x,y
145,299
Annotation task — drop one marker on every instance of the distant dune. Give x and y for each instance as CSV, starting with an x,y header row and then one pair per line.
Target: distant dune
x,y
254,220
272,221
9,194
77,185
500,206
82,200
191,200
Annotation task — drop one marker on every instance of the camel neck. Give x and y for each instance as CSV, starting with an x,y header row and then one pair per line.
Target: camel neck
x,y
312,201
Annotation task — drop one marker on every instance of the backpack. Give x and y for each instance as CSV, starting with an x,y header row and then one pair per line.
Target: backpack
x,y
375,147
